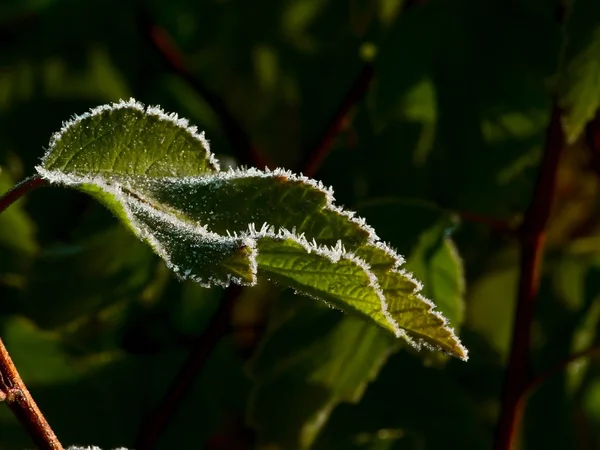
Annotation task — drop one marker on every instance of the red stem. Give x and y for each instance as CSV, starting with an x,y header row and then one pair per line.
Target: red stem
x,y
532,233
160,418
535,383
325,142
497,225
173,58
20,189
12,389
14,392
592,352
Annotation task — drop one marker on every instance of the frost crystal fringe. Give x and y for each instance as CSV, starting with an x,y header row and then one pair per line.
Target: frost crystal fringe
x,y
133,200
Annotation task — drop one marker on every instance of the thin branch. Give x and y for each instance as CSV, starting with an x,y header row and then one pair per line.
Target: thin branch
x,y
20,189
12,389
162,43
592,352
158,421
247,153
14,392
496,225
318,152
324,143
540,379
532,236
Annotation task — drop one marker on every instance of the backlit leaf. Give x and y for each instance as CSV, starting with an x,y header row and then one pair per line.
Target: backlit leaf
x,y
156,173
580,80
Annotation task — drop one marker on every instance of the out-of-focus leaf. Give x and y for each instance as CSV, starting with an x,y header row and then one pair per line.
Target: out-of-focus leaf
x,y
106,268
491,301
504,108
421,407
309,363
117,390
563,328
580,78
591,405
432,256
194,307
392,93
23,339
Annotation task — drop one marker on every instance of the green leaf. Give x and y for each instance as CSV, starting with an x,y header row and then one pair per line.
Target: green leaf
x,y
492,301
492,61
591,403
158,176
47,348
127,139
422,407
311,360
116,389
289,405
580,81
106,268
426,239
435,259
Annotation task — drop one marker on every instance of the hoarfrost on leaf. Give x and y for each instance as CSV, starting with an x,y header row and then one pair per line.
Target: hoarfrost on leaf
x,y
157,174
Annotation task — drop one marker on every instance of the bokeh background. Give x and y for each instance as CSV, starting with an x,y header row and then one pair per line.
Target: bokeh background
x,y
427,117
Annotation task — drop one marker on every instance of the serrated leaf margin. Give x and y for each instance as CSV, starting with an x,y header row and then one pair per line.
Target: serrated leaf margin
x,y
252,234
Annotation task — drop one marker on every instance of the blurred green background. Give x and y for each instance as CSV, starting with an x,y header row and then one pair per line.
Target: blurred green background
x,y
440,155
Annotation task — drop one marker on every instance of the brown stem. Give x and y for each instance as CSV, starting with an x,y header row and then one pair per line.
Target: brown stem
x,y
532,234
20,189
162,43
159,419
323,146
14,392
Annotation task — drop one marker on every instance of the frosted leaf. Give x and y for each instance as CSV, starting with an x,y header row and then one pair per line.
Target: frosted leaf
x,y
127,138
156,173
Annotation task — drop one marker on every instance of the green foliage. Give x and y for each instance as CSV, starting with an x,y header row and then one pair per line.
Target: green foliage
x,y
158,175
309,371
440,158
580,80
